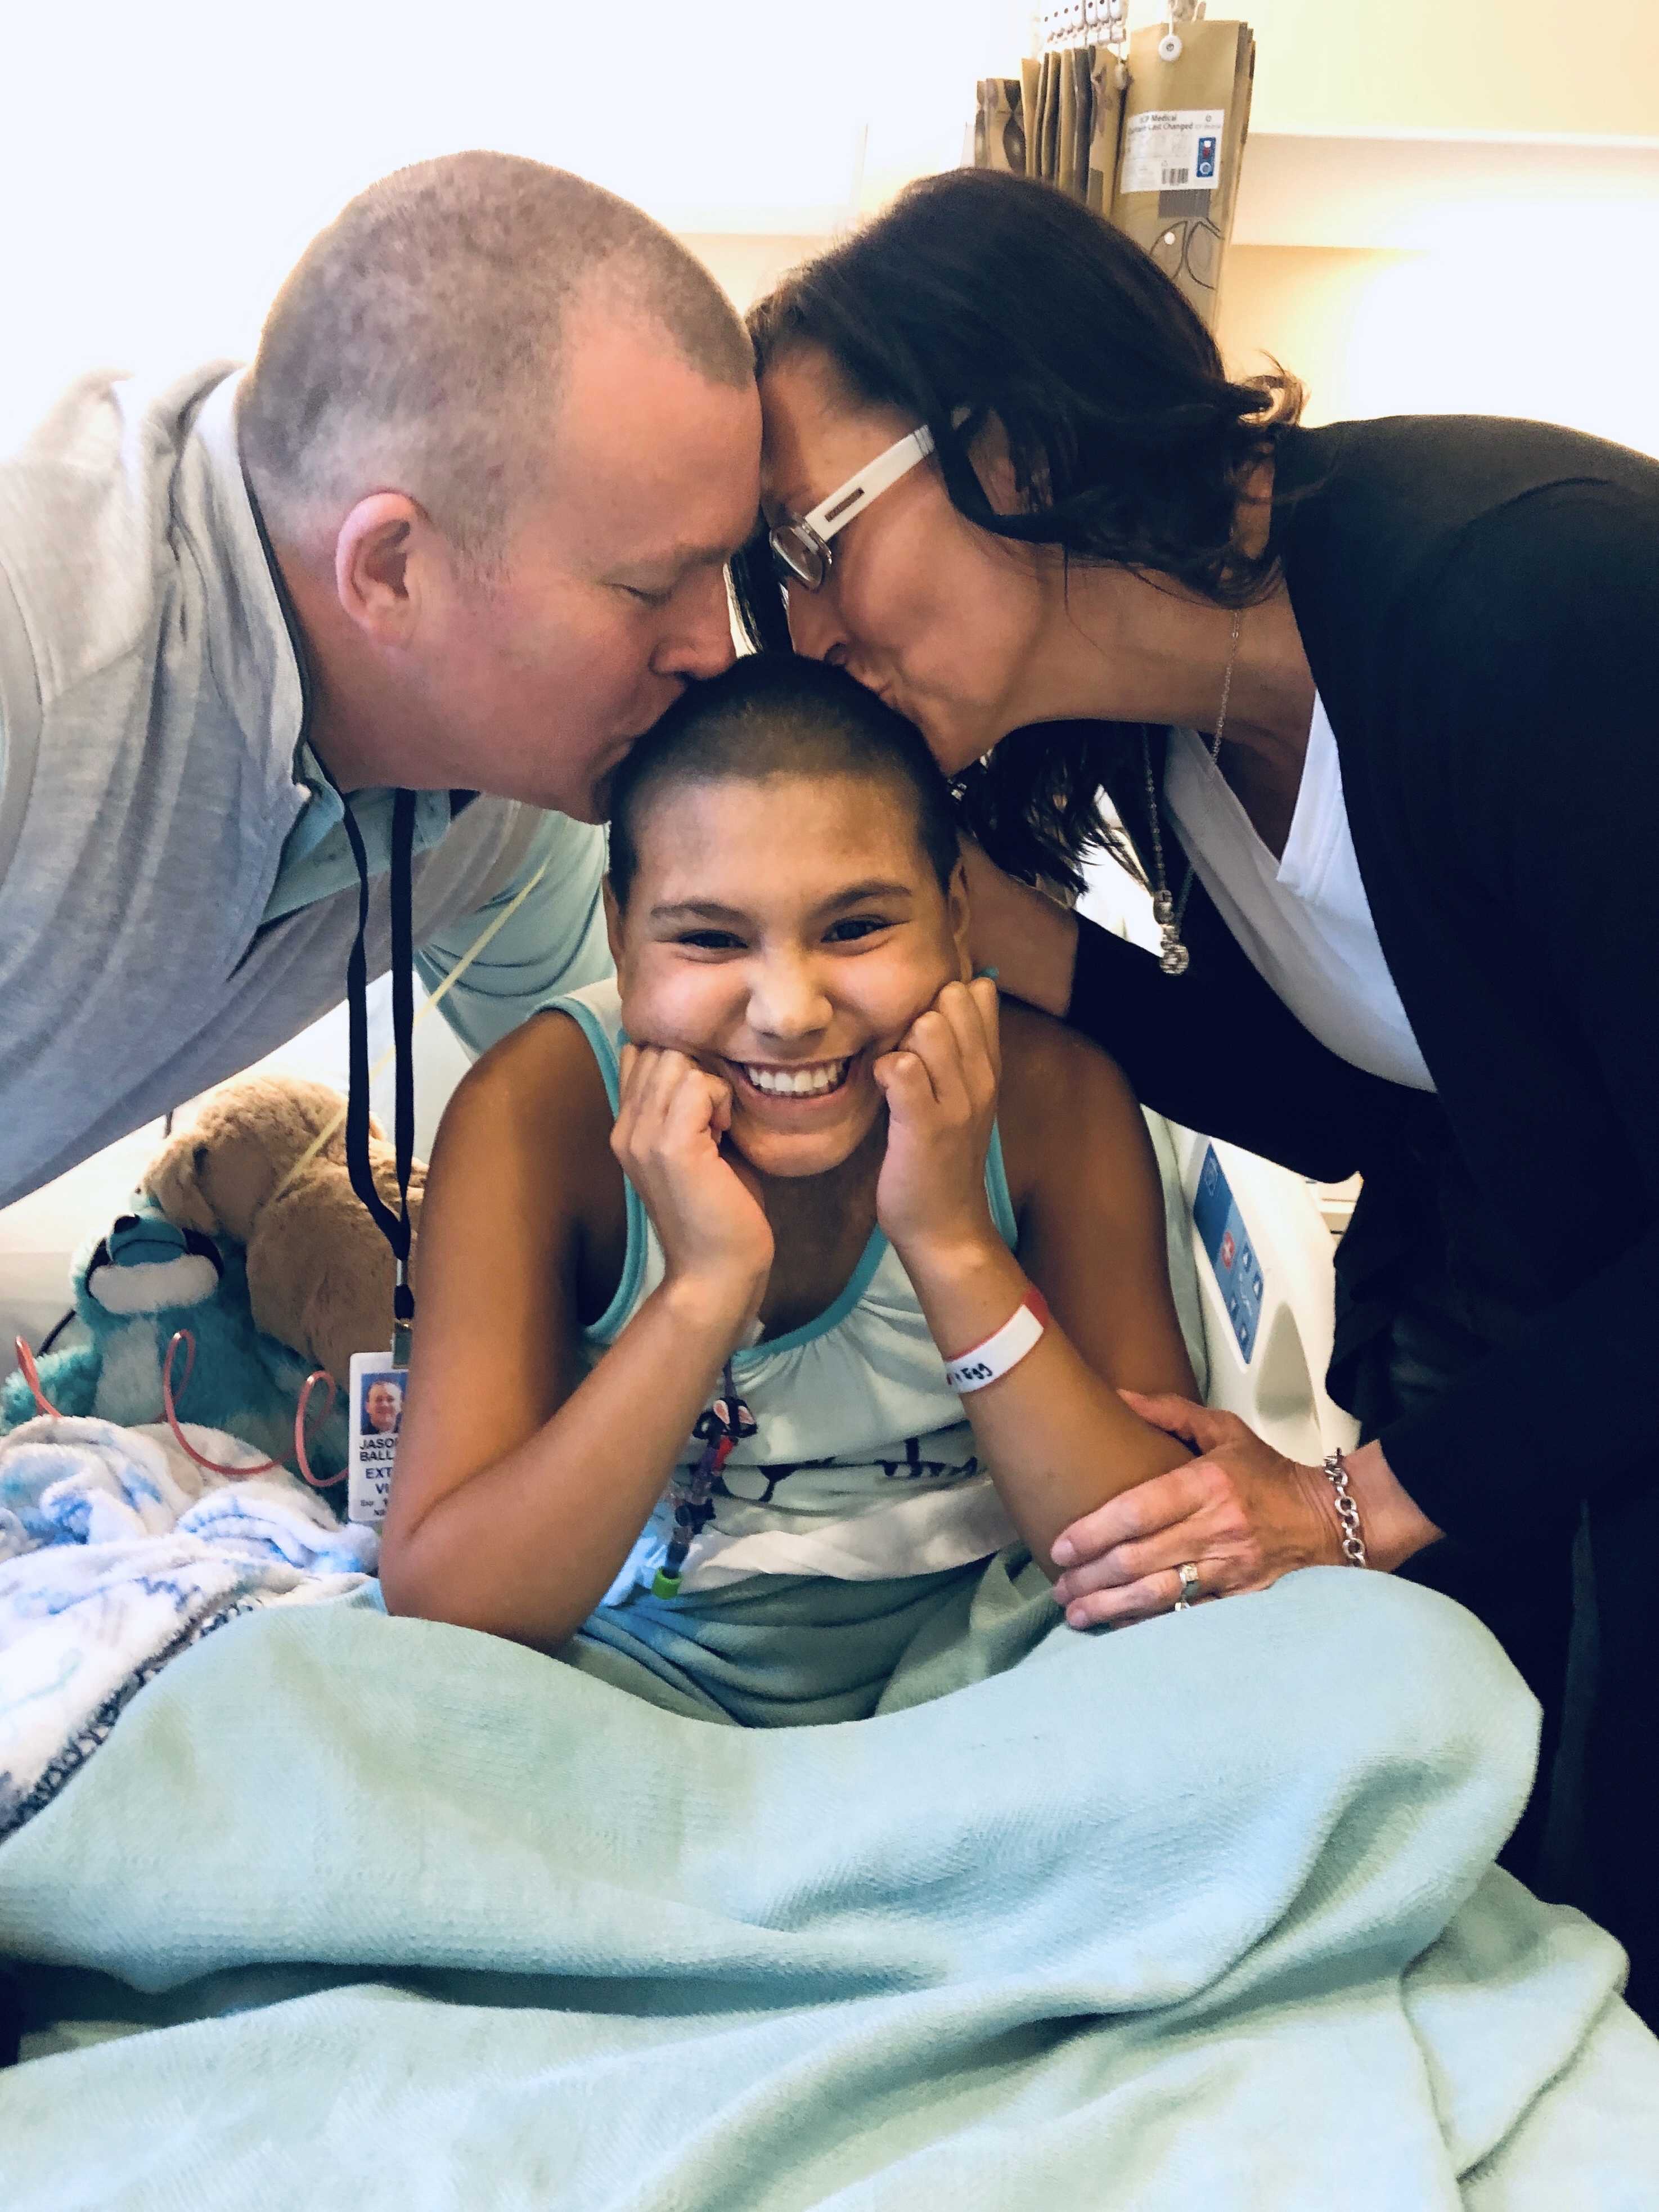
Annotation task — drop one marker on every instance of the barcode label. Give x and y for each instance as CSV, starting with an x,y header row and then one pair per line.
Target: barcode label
x,y
1173,150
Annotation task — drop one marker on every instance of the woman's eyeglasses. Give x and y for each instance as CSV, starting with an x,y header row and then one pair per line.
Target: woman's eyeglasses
x,y
801,551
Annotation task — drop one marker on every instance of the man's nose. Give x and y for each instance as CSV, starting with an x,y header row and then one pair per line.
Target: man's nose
x,y
700,643
786,1000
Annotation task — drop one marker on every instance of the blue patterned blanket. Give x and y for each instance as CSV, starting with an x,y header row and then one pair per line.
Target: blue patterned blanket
x,y
117,1553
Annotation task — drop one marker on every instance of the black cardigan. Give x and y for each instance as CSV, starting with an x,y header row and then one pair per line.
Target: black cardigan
x,y
1479,600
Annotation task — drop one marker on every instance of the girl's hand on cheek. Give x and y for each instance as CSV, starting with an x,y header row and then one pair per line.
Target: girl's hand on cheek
x,y
702,1201
940,1083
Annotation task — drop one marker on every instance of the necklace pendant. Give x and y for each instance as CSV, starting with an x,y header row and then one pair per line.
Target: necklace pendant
x,y
1174,959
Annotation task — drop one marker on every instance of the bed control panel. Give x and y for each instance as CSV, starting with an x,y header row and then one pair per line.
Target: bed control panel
x,y
1231,1250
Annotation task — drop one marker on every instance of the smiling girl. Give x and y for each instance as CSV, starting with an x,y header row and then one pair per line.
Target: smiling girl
x,y
697,1247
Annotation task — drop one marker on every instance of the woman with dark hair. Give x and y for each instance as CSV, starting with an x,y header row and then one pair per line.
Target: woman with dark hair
x,y
1374,706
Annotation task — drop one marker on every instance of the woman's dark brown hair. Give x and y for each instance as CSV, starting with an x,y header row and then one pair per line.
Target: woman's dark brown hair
x,y
978,295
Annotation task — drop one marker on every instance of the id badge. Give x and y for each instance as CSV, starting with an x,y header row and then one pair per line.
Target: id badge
x,y
377,1413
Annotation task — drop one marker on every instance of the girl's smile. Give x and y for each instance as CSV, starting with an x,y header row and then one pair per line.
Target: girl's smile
x,y
805,1082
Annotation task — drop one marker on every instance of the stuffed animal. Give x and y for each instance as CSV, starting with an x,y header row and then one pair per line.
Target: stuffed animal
x,y
134,1288
320,1273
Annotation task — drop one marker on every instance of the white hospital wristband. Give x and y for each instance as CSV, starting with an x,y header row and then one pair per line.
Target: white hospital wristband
x,y
990,1361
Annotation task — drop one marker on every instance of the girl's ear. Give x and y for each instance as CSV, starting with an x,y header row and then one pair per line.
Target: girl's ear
x,y
613,929
960,909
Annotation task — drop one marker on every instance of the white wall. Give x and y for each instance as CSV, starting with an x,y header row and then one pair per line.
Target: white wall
x,y
1494,65
162,166
1519,324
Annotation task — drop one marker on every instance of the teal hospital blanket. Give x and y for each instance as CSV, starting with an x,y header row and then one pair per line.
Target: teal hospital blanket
x,y
352,1910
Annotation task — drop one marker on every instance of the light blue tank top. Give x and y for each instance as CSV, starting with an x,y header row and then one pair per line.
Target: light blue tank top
x,y
861,1466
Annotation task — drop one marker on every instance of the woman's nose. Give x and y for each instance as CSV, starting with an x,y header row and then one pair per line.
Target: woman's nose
x,y
815,626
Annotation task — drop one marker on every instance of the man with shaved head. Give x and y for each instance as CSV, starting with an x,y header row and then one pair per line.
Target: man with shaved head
x,y
459,533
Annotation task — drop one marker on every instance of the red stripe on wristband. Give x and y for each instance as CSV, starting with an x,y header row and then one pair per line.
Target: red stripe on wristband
x,y
1003,1350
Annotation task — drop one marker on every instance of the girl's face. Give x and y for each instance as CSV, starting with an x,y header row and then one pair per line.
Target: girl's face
x,y
784,935
944,621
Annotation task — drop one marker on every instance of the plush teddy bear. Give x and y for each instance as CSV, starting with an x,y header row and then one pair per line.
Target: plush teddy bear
x,y
134,1288
320,1273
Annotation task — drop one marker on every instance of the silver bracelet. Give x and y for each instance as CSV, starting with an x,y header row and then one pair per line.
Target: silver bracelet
x,y
1353,1543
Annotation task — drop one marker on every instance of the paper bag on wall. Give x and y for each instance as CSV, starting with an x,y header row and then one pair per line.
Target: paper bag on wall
x,y
1049,121
1184,126
1107,79
1066,135
1082,118
998,132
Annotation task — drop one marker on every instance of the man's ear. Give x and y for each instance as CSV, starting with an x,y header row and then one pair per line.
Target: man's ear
x,y
959,908
613,928
386,547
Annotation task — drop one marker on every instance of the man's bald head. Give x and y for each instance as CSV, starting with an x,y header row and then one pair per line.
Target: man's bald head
x,y
417,347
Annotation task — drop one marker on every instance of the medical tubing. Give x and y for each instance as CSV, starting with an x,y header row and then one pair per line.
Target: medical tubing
x,y
317,1374
56,1331
32,1376
217,1466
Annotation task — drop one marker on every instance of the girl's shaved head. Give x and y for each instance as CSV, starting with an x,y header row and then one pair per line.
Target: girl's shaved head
x,y
771,716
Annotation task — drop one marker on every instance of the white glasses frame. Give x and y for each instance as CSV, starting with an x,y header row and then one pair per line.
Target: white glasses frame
x,y
801,551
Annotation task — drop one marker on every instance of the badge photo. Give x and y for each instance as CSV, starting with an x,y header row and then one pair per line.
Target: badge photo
x,y
377,1413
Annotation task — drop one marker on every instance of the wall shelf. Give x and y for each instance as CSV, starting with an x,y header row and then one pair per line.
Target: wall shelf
x,y
1404,190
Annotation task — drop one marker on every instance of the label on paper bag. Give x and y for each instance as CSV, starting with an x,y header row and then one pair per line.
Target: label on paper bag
x,y
1173,150
377,1414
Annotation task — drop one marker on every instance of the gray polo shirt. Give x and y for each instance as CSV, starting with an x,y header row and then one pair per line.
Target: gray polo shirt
x,y
177,897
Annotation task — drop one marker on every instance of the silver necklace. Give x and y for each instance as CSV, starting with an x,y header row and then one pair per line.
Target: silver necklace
x,y
1174,959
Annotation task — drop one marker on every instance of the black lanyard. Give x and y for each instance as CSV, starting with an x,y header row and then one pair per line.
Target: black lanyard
x,y
394,1227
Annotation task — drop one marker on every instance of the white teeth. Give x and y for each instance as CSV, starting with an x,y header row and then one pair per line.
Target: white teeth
x,y
800,1082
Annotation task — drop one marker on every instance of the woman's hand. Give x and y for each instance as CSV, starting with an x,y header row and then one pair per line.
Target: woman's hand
x,y
1027,936
702,1201
940,1083
1241,1514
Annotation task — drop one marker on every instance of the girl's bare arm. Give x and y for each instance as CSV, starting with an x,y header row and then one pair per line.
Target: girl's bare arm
x,y
1057,1437
520,1486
